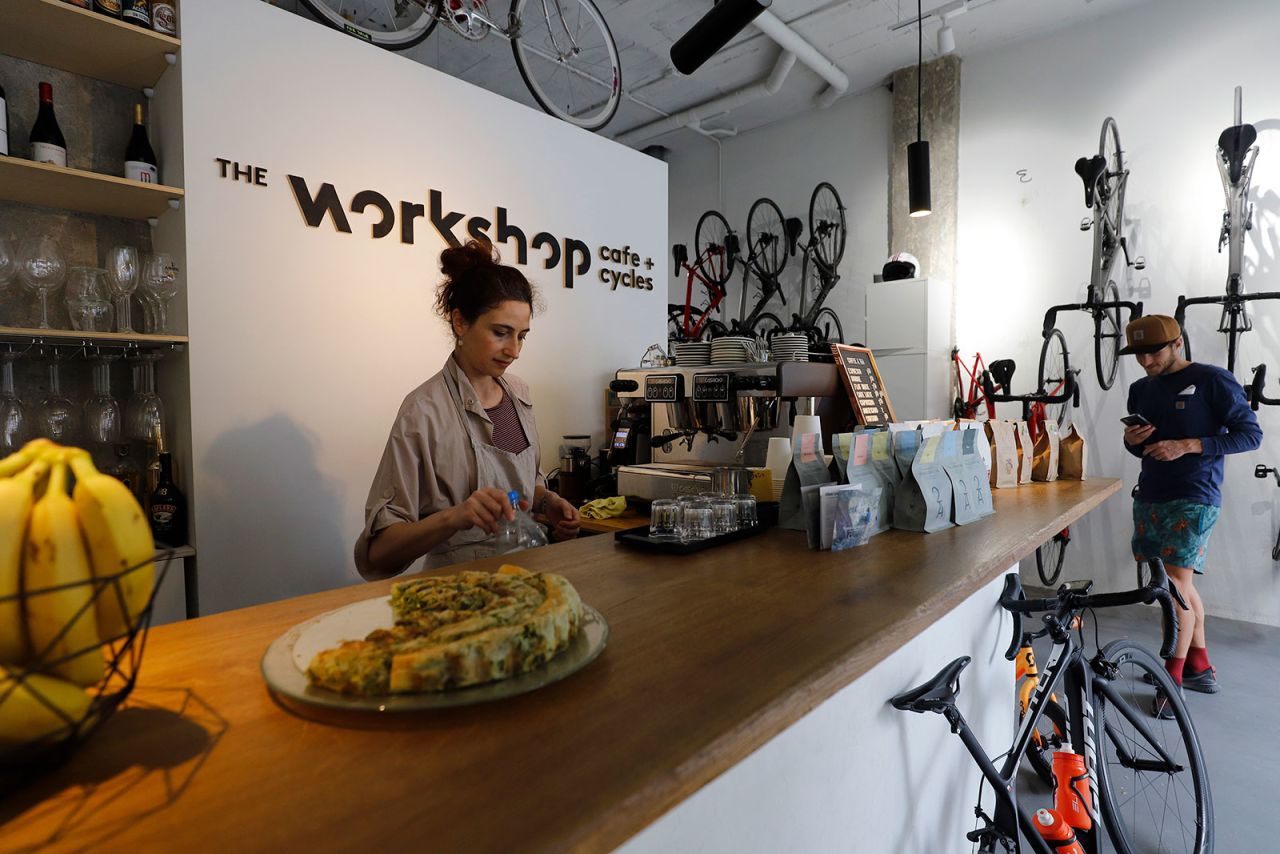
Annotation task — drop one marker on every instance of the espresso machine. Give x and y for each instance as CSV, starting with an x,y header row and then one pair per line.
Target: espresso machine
x,y
711,416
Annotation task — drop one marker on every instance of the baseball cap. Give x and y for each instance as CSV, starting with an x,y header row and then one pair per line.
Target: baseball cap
x,y
1150,333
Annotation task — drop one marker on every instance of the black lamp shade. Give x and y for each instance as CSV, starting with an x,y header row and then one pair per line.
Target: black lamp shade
x,y
918,178
713,31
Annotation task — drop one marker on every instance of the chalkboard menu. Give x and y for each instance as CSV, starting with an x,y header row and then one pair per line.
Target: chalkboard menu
x,y
862,381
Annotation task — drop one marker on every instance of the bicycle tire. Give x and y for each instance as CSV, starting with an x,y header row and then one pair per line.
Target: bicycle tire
x,y
766,324
822,332
1233,341
675,321
712,233
1049,559
1110,190
1052,373
599,62
400,39
765,226
1106,338
1040,751
1130,797
827,227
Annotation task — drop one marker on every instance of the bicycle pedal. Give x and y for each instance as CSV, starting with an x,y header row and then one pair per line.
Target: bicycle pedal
x,y
1140,264
1086,224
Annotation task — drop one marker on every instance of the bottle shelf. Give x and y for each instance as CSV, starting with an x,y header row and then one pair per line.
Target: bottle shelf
x,y
50,186
71,337
51,32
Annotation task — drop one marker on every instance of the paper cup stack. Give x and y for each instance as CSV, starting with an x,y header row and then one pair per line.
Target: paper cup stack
x,y
777,460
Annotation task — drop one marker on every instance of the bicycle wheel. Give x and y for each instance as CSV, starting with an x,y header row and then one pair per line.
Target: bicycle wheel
x,y
395,26
1052,374
1152,782
1110,190
1050,735
1049,558
766,237
827,328
1106,338
827,226
568,59
767,324
711,238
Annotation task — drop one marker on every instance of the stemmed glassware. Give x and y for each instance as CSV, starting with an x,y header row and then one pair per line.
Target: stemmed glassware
x,y
14,426
57,416
101,411
159,285
122,278
144,413
87,302
8,261
42,269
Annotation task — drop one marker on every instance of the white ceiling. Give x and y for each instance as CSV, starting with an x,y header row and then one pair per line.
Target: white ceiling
x,y
854,34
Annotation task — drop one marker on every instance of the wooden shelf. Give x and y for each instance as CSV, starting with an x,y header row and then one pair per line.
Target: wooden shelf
x,y
19,334
51,186
50,32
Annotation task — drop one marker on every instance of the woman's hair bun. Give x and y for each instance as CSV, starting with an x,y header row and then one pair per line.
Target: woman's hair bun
x,y
458,261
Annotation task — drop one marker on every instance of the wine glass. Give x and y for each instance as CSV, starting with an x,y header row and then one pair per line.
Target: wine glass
x,y
14,425
58,417
122,278
8,261
101,412
144,412
42,269
87,301
160,284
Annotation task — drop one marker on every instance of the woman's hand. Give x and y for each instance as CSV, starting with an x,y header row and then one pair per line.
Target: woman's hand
x,y
561,516
483,509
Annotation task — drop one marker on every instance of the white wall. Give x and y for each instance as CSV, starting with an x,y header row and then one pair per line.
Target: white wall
x,y
846,145
304,340
1166,72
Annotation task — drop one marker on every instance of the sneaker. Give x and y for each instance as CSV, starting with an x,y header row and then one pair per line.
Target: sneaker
x,y
1161,707
1206,681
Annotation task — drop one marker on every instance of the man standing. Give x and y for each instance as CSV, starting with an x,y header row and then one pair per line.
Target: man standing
x,y
1196,415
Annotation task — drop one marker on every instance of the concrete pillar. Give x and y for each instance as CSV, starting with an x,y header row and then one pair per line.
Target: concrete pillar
x,y
932,239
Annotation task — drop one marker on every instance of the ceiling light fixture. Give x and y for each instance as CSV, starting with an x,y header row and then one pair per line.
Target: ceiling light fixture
x,y
946,40
918,194
713,31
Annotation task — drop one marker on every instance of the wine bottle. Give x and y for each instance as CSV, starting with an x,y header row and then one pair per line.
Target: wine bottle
x,y
167,507
164,17
138,12
110,8
4,123
139,158
47,142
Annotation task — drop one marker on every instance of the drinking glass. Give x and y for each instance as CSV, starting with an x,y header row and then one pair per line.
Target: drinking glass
x,y
42,269
748,513
87,301
664,519
144,412
697,521
724,516
15,427
8,261
101,411
122,277
57,416
160,283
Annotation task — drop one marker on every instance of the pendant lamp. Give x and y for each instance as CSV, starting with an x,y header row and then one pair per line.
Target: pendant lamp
x,y
918,195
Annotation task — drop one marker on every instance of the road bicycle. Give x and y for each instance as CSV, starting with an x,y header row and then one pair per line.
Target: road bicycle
x,y
1235,157
971,400
821,255
563,48
1105,177
1262,472
1145,780
1050,734
770,240
715,247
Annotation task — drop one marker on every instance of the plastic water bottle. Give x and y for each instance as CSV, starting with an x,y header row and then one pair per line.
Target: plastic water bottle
x,y
520,533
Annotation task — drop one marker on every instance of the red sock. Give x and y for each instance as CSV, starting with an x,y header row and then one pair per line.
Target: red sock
x,y
1174,666
1197,659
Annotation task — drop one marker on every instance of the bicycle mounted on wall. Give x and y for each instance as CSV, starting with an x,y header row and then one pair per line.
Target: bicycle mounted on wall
x,y
1235,157
821,255
1105,178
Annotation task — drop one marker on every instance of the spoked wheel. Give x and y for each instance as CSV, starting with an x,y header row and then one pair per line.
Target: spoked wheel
x,y
568,59
1050,735
711,238
767,237
1049,558
766,325
1106,338
1153,784
394,25
826,328
675,324
1110,192
827,226
1052,374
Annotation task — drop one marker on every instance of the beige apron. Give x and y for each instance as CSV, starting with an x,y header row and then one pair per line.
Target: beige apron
x,y
494,468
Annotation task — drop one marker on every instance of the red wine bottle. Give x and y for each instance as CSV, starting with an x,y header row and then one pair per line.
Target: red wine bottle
x,y
167,507
47,142
138,12
110,8
139,158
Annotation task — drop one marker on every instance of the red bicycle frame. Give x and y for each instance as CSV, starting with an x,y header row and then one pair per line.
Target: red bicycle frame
x,y
967,402
716,293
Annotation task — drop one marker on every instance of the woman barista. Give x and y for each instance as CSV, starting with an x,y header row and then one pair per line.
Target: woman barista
x,y
465,437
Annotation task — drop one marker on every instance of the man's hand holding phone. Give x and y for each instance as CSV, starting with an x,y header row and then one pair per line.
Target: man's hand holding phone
x,y
1137,429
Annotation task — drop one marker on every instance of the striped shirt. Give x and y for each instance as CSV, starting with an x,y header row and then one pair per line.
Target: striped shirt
x,y
508,435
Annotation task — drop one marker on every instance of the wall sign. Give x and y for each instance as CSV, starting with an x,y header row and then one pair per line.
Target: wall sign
x,y
862,381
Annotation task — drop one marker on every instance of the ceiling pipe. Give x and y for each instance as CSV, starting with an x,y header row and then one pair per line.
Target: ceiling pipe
x,y
788,39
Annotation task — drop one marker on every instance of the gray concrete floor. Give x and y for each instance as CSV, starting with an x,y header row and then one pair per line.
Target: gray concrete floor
x,y
1236,726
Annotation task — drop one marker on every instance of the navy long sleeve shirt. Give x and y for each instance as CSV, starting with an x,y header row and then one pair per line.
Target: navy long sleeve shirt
x,y
1198,402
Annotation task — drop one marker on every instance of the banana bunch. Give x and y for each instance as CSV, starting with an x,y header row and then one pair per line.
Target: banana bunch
x,y
52,544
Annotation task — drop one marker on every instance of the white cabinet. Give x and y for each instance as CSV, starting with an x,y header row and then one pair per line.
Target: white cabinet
x,y
909,330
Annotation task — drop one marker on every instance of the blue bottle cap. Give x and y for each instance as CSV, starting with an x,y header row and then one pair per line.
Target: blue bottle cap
x,y
514,498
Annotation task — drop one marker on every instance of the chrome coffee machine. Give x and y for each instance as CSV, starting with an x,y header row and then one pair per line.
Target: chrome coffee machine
x,y
705,417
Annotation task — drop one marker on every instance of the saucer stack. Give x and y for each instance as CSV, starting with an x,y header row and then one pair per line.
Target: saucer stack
x,y
693,353
789,347
731,349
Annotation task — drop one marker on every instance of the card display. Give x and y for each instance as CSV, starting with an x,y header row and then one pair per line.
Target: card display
x,y
862,382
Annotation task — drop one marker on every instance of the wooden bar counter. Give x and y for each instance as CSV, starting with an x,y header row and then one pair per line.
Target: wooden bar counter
x,y
709,657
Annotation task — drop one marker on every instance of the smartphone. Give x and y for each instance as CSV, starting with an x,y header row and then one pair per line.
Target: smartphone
x,y
1135,420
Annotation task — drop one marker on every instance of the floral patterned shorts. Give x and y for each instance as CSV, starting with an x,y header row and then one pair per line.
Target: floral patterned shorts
x,y
1174,531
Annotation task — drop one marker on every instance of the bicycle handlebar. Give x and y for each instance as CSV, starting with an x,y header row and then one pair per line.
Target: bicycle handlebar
x,y
1253,392
1069,392
1158,589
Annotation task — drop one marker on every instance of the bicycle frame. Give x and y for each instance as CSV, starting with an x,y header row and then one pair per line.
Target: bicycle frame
x,y
966,403
769,285
715,294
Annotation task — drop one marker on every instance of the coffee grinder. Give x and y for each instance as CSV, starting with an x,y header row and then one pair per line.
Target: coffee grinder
x,y
575,468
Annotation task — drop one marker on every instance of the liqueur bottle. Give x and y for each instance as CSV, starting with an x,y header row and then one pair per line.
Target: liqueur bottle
x,y
139,157
47,143
167,507
138,12
110,8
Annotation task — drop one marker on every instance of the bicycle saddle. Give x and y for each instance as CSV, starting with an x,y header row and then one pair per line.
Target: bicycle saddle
x,y
1234,143
1002,372
936,694
794,227
1090,169
681,254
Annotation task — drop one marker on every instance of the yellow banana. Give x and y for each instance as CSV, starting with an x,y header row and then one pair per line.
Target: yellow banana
x,y
23,715
61,624
118,537
17,494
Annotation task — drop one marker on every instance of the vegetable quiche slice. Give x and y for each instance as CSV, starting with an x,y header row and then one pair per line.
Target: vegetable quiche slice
x,y
457,630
